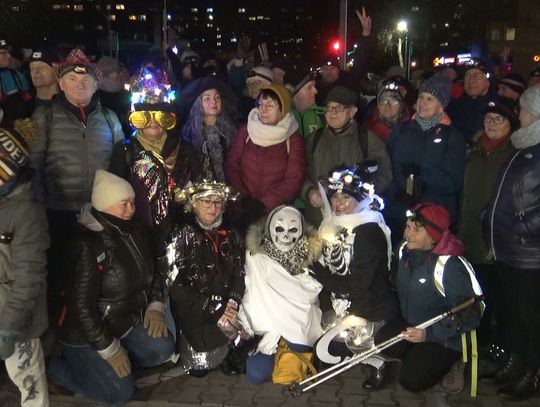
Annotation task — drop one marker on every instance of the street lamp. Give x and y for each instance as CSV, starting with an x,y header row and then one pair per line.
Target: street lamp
x,y
403,29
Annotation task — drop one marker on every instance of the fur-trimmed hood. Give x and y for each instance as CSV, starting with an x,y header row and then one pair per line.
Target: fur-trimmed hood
x,y
255,238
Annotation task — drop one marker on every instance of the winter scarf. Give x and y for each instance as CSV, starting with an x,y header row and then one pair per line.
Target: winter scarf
x,y
212,147
526,136
293,260
155,146
264,135
490,145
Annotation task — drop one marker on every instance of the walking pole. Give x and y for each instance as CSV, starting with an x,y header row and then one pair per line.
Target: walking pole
x,y
298,389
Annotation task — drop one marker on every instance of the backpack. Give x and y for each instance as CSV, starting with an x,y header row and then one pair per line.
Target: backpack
x,y
291,367
362,138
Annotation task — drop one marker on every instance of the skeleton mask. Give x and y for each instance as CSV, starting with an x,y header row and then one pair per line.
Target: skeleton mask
x,y
285,228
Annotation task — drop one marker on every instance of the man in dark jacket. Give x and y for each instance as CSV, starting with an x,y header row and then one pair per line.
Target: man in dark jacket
x,y
23,244
76,138
467,112
331,75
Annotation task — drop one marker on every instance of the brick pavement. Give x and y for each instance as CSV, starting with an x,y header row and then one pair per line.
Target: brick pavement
x,y
216,389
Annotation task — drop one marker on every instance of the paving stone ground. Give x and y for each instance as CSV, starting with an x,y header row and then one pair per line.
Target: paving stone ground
x,y
219,390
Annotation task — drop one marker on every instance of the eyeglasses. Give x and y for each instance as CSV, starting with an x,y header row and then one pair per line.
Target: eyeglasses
x,y
494,118
389,102
335,109
267,106
142,119
417,217
475,75
207,203
254,84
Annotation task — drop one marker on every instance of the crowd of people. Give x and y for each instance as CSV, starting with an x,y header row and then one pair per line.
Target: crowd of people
x,y
187,214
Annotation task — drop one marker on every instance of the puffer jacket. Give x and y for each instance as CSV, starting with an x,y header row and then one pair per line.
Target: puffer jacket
x,y
273,175
23,244
205,271
113,281
512,220
68,153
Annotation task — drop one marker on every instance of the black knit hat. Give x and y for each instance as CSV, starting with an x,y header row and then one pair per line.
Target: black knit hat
x,y
477,63
440,86
506,107
298,78
4,44
341,95
514,81
43,55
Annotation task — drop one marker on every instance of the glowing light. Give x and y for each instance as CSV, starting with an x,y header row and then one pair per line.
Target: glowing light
x,y
402,26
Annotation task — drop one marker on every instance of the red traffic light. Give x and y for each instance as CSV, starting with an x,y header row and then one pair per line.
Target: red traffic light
x,y
336,45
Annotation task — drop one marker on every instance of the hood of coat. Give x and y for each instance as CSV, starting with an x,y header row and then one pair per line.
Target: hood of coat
x,y
88,220
255,238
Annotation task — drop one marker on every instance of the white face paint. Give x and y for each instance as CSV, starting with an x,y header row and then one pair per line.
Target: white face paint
x,y
285,228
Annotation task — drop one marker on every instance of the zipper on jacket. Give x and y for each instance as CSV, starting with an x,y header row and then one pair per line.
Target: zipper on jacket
x,y
495,205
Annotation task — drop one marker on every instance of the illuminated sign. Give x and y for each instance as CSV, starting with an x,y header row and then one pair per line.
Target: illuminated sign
x,y
463,58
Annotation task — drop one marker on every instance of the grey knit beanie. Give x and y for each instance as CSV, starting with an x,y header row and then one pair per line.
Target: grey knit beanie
x,y
440,86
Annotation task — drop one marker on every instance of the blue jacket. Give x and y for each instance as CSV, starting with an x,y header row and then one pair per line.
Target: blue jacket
x,y
512,220
420,300
440,154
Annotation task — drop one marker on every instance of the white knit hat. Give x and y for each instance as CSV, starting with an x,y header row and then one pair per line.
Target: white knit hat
x,y
109,189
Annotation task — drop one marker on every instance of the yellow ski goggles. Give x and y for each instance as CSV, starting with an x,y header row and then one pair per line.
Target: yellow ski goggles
x,y
142,119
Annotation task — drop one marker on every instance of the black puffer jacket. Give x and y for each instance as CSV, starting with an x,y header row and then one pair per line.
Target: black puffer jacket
x,y
113,281
512,220
207,269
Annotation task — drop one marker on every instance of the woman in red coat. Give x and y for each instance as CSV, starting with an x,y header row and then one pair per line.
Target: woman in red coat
x,y
266,160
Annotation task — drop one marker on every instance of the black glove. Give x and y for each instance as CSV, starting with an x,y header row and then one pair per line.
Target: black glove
x,y
410,168
405,199
215,307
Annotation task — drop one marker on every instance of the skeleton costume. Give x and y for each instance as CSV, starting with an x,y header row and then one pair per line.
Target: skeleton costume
x,y
281,296
353,268
205,272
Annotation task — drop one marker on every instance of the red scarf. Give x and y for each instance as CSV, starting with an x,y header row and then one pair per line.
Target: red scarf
x,y
490,145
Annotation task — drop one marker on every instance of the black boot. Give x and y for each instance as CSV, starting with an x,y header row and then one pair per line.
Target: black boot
x,y
377,377
524,388
511,371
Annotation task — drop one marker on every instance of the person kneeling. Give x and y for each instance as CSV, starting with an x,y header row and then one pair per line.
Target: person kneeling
x,y
115,312
432,278
281,299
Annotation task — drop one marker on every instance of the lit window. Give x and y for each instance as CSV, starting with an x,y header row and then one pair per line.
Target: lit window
x,y
56,6
194,10
78,7
210,17
120,7
15,8
495,34
510,34
218,36
218,44
260,17
132,17
241,11
65,6
252,18
78,27
142,17
209,25
218,29
209,10
112,17
99,27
